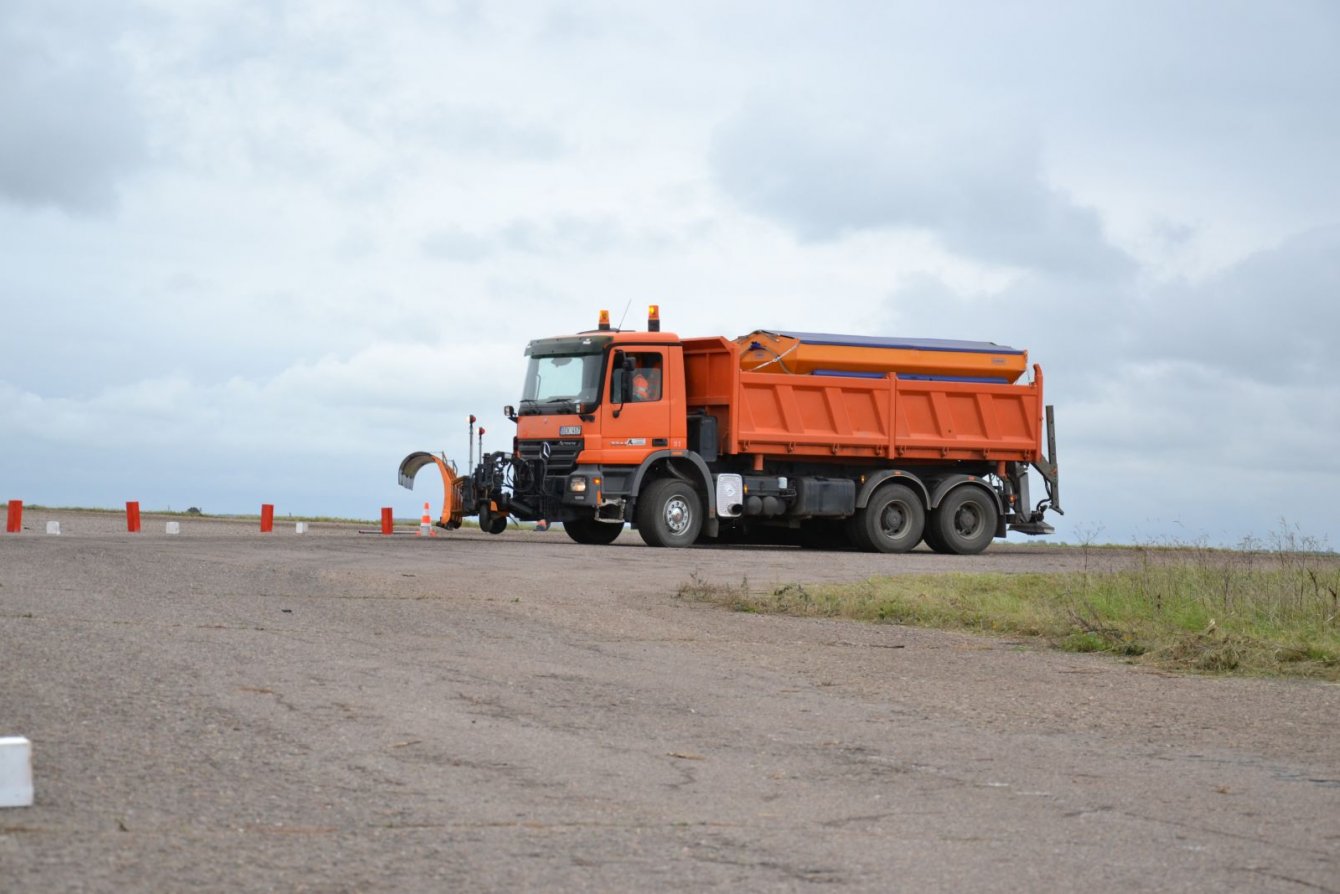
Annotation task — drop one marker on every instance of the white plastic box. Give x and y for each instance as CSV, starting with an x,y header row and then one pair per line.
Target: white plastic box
x,y
16,772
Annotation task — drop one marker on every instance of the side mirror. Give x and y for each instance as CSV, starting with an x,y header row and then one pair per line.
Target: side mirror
x,y
510,412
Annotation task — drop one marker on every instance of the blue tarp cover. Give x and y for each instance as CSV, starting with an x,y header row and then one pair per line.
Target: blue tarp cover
x,y
981,380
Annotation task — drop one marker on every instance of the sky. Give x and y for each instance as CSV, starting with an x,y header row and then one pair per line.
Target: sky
x,y
257,252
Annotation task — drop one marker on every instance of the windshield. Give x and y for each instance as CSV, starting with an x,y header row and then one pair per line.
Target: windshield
x,y
559,383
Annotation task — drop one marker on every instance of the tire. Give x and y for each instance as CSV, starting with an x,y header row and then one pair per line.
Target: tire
x,y
964,523
490,523
892,522
932,539
669,513
592,532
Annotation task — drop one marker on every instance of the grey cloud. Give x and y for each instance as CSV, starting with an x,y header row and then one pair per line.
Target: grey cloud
x,y
565,234
247,33
72,129
468,130
455,244
582,26
1272,317
1269,319
981,190
1198,96
356,245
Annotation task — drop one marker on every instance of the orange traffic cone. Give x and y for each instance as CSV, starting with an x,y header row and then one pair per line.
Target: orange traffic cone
x,y
426,524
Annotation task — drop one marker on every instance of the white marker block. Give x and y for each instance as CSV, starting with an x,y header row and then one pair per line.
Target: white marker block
x,y
300,528
53,527
16,772
174,527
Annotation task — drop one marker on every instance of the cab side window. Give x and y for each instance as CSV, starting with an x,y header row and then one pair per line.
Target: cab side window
x,y
640,385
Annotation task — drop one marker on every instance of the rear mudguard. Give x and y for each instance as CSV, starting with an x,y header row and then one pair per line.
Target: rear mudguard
x,y
453,502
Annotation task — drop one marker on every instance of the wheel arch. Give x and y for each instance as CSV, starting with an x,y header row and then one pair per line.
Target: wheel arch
x,y
685,465
875,481
945,486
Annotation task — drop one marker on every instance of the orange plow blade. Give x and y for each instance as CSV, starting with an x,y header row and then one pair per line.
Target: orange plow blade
x,y
452,508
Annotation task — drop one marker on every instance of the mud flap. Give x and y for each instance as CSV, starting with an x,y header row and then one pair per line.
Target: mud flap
x,y
452,498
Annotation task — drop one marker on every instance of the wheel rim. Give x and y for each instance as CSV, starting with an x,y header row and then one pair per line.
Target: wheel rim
x,y
968,520
893,521
678,515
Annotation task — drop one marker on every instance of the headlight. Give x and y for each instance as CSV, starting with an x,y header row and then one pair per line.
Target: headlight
x,y
577,484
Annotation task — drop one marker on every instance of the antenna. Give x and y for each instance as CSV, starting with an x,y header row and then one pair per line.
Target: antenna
x,y
624,314
470,439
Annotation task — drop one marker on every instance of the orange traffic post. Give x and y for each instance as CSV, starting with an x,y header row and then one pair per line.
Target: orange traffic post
x,y
133,516
387,523
267,518
426,523
14,519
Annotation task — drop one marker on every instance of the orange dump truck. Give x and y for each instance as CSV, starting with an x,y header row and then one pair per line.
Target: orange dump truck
x,y
825,440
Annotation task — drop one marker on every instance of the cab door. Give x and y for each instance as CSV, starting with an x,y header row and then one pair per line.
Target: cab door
x,y
637,406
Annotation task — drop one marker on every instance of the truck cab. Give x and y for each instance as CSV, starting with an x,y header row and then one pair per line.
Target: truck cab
x,y
599,410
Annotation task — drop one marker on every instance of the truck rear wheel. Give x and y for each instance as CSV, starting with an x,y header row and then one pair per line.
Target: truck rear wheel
x,y
669,513
892,522
931,538
964,523
590,531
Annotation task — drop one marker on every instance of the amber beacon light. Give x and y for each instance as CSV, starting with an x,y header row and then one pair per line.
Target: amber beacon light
x,y
604,320
654,318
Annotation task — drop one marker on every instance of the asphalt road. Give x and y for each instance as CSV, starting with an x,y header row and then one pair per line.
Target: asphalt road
x,y
226,711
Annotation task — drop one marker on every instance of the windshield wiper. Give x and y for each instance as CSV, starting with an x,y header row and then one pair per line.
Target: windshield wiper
x,y
551,405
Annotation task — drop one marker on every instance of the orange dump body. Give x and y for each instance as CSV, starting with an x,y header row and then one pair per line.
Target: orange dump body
x,y
837,416
807,353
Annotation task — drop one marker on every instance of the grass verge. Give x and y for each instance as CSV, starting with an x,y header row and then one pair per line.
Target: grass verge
x,y
1242,613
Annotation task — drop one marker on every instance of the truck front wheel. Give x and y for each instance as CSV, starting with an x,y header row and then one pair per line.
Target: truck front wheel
x,y
892,522
963,523
590,531
669,513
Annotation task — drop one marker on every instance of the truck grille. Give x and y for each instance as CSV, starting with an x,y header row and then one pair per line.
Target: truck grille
x,y
562,454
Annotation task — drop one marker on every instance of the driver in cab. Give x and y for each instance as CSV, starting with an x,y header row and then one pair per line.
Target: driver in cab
x,y
646,384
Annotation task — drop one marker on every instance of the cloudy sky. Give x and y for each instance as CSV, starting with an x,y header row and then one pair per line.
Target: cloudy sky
x,y
259,251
